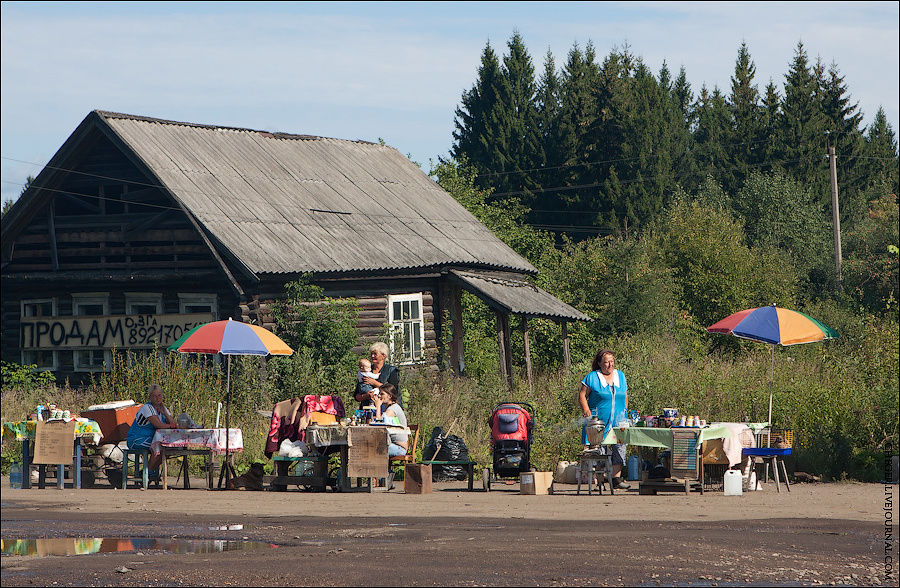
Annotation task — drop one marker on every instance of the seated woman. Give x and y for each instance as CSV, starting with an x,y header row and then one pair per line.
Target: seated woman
x,y
152,415
386,405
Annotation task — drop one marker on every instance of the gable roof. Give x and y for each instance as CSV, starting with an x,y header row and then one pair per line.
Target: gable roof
x,y
283,203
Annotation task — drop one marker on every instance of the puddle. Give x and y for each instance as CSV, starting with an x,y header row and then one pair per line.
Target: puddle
x,y
89,545
227,528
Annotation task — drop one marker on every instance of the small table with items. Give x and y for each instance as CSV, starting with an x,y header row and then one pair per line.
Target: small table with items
x,y
686,470
205,442
87,432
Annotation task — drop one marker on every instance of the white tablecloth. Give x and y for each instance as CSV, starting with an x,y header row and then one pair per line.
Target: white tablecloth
x,y
198,439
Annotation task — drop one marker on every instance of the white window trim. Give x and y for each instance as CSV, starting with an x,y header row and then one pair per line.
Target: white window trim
x,y
101,298
391,299
148,298
186,298
53,354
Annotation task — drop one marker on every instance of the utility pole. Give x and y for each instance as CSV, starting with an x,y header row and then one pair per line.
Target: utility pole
x,y
836,215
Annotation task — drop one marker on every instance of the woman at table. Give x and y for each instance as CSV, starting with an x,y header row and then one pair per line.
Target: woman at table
x,y
151,416
604,394
386,405
387,374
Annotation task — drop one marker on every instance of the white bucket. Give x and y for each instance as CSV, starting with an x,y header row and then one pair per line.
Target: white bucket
x,y
733,483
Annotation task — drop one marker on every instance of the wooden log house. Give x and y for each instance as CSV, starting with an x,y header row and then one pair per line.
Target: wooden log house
x,y
139,228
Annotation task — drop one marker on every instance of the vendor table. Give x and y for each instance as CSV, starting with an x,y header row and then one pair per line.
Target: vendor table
x,y
363,442
205,442
86,433
684,441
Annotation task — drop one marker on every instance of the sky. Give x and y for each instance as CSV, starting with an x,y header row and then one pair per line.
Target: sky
x,y
394,71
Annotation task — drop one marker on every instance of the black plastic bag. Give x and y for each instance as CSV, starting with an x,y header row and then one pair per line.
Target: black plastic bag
x,y
441,447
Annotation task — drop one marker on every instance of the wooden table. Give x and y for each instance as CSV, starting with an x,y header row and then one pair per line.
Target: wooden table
x,y
86,433
363,451
209,443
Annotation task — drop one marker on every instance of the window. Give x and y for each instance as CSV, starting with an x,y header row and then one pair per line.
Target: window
x,y
194,303
90,304
143,303
44,359
407,327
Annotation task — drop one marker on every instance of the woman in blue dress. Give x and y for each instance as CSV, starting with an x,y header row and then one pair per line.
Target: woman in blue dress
x,y
604,394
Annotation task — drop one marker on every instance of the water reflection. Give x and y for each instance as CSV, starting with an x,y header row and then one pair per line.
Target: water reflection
x,y
88,545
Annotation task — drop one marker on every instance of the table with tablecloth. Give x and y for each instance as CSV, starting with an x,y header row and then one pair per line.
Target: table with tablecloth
x,y
361,447
87,432
204,442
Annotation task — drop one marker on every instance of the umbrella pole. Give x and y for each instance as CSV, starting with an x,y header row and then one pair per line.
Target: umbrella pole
x,y
771,394
227,464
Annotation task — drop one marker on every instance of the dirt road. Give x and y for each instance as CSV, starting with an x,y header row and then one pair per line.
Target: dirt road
x,y
817,534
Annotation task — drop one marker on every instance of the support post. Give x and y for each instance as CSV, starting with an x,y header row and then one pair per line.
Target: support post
x,y
457,344
525,337
503,344
567,359
835,215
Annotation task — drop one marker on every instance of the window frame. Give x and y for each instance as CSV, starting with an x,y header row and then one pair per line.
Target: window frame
x,y
396,326
54,355
199,298
146,298
101,298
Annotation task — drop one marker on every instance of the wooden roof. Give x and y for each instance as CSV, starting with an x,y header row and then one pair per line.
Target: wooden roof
x,y
283,203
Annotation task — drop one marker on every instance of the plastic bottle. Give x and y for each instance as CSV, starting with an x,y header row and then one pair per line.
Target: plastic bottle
x,y
634,466
15,475
733,483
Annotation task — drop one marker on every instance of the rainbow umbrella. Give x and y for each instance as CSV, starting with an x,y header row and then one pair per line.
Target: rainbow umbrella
x,y
230,338
776,326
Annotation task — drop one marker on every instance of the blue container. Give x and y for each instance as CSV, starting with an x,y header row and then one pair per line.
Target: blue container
x,y
634,467
15,475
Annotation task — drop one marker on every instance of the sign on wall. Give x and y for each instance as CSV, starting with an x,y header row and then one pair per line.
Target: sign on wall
x,y
133,331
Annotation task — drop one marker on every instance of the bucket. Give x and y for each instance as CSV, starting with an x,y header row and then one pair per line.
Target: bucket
x,y
634,468
733,483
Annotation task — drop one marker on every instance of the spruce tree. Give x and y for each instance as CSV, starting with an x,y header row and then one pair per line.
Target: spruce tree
x,y
746,121
473,120
802,125
550,156
880,153
711,137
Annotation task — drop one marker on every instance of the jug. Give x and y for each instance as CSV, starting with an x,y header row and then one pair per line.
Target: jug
x,y
734,483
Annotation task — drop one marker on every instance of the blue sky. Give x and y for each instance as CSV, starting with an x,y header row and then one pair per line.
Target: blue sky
x,y
370,70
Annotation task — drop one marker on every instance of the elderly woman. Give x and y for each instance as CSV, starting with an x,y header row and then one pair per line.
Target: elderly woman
x,y
387,374
386,405
604,394
151,416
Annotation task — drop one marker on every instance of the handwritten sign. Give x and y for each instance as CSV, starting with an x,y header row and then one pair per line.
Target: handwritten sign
x,y
107,332
53,442
367,454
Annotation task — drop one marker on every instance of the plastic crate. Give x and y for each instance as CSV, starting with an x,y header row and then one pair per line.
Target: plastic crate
x,y
769,438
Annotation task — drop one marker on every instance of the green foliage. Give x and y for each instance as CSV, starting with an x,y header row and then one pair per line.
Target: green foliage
x,y
24,377
870,271
322,332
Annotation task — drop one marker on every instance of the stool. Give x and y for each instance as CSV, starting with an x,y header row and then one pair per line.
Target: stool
x,y
595,464
766,455
136,456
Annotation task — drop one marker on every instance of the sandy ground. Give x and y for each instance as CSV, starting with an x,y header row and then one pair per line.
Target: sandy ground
x,y
816,534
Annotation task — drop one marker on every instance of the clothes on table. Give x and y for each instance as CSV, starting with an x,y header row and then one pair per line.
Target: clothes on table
x,y
285,424
327,404
741,436
141,432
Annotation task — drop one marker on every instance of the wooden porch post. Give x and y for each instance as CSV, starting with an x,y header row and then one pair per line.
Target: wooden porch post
x,y
457,343
505,351
525,337
567,360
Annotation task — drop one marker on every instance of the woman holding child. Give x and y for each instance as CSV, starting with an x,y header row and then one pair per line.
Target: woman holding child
x,y
371,380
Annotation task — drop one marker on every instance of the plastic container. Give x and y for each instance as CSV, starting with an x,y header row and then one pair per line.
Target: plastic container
x,y
734,483
634,468
15,476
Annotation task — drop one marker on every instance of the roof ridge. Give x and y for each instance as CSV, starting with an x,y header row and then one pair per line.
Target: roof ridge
x,y
270,134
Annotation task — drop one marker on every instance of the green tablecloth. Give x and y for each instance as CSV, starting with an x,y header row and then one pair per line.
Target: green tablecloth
x,y
87,430
659,437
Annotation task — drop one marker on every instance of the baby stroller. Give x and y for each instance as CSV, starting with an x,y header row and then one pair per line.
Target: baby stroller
x,y
511,427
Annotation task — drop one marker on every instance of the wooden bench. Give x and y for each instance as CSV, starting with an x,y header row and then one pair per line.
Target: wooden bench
x,y
319,479
469,465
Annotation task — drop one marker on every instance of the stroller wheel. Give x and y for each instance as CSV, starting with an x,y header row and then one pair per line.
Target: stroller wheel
x,y
486,479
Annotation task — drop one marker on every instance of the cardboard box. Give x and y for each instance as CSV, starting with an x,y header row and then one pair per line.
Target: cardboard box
x,y
535,482
417,478
713,452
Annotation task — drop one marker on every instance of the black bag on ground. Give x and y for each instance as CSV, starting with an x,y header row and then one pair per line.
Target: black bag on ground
x,y
441,447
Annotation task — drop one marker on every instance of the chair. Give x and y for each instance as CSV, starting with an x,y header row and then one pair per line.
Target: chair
x,y
410,457
136,456
763,453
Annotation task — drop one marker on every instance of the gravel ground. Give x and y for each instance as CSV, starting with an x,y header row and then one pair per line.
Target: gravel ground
x,y
831,534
